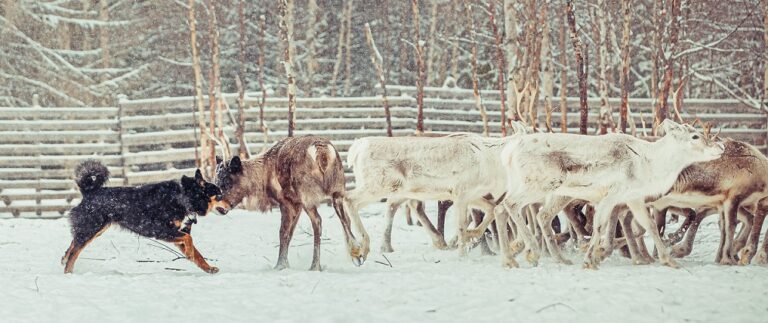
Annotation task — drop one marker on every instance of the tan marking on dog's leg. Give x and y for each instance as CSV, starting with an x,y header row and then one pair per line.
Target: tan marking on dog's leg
x,y
187,247
75,251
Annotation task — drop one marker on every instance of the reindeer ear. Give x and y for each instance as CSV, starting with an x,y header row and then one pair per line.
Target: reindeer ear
x,y
218,159
669,126
235,166
519,128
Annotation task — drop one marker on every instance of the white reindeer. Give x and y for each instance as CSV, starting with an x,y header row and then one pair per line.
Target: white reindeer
x,y
606,170
463,168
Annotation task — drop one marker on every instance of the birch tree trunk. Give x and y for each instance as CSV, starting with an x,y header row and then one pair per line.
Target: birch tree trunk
x,y
475,86
214,84
339,53
606,117
765,55
104,39
431,44
669,61
243,151
501,65
581,69
348,51
202,162
658,11
312,65
263,101
420,68
626,8
563,73
547,87
377,62
510,32
286,34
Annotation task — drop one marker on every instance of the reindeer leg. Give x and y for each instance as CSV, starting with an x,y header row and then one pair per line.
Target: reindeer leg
x,y
548,212
437,238
317,231
501,213
532,252
442,209
642,216
358,251
685,247
762,256
746,220
386,244
746,253
290,216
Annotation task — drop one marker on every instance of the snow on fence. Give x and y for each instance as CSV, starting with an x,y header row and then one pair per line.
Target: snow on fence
x,y
148,140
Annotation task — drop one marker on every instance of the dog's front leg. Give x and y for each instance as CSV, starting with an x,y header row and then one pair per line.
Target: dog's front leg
x,y
188,248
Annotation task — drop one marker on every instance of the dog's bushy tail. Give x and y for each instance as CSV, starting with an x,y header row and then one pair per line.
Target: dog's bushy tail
x,y
90,176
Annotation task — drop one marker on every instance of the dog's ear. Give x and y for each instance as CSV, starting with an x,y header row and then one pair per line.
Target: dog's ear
x,y
218,159
187,182
199,178
235,166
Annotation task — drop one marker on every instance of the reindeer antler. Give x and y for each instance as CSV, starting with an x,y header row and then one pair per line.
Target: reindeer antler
x,y
224,146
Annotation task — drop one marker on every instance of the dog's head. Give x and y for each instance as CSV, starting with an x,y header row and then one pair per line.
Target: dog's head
x,y
202,195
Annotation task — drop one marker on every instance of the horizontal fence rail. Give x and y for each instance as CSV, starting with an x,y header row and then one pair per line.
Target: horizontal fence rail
x,y
149,140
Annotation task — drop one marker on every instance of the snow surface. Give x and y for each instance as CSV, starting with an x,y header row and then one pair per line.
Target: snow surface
x,y
124,278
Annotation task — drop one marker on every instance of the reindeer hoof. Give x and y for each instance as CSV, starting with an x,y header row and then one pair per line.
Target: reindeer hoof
x,y
727,261
566,262
440,244
590,265
315,267
671,264
454,243
745,256
680,252
281,266
532,258
358,261
510,263
387,249
762,258
516,247
212,270
641,261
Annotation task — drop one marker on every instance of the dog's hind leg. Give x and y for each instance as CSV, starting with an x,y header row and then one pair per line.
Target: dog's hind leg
x,y
317,228
82,237
188,248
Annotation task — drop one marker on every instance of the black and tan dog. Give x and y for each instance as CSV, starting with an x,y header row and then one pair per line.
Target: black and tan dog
x,y
154,210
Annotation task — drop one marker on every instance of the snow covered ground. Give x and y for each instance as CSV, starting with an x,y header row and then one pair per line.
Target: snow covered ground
x,y
124,278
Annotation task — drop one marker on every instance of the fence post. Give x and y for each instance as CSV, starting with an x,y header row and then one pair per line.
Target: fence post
x,y
120,132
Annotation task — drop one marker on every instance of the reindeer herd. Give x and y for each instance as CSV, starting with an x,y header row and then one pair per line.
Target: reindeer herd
x,y
612,189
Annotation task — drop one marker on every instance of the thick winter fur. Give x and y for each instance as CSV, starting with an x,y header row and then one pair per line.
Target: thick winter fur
x,y
295,174
606,171
463,168
738,178
153,210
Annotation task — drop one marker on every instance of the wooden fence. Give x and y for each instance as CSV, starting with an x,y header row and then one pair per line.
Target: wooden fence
x,y
148,140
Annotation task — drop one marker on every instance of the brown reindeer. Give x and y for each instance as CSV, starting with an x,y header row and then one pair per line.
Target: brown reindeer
x,y
739,178
296,173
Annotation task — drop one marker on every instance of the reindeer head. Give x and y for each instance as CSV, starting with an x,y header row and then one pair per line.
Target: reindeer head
x,y
229,176
686,141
